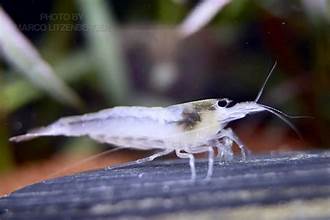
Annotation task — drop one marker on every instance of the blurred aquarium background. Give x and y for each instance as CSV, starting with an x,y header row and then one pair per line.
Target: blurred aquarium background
x,y
60,58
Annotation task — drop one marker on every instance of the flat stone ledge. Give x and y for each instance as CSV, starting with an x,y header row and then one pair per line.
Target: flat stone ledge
x,y
293,185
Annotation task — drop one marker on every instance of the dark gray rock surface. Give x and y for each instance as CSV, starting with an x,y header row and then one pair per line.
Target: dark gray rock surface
x,y
292,185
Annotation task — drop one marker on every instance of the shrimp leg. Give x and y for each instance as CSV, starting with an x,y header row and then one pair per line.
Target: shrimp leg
x,y
191,162
210,151
224,147
143,160
228,133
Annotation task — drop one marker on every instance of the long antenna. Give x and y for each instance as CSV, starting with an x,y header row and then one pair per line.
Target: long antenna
x,y
265,82
83,161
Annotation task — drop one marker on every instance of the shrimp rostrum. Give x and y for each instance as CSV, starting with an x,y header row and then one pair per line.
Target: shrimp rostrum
x,y
186,129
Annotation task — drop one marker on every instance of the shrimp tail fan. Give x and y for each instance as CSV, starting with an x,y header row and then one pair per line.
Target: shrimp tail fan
x,y
44,131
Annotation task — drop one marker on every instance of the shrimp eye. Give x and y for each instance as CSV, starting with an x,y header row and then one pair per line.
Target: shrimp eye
x,y
223,102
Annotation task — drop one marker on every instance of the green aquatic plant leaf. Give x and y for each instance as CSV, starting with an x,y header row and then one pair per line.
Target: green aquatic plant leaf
x,y
104,44
19,92
201,15
22,56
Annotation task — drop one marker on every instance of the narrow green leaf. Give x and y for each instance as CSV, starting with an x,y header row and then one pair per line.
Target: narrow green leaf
x,y
19,92
105,47
201,15
21,54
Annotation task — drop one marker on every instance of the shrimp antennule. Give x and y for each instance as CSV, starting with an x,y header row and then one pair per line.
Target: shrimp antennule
x,y
265,82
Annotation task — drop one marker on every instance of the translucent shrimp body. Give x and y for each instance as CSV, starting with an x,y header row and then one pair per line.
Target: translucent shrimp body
x,y
186,129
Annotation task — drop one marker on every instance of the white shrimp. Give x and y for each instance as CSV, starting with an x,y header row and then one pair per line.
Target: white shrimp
x,y
186,129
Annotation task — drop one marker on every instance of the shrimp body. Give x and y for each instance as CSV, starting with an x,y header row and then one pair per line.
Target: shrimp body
x,y
177,126
186,129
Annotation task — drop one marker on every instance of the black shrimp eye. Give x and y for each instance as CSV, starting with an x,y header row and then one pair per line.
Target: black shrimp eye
x,y
223,103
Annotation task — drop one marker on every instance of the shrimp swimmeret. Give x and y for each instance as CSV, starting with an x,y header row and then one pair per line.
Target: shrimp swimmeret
x,y
186,129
